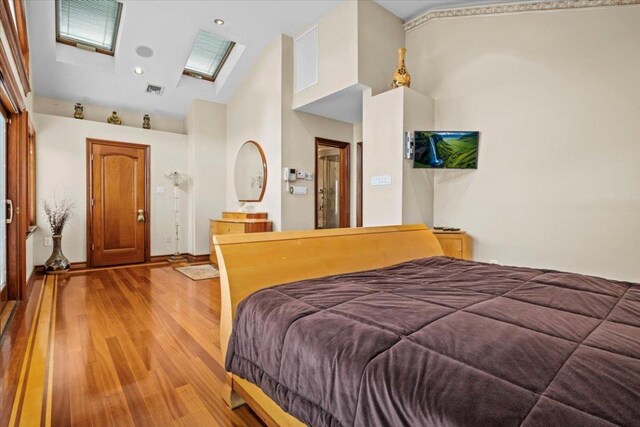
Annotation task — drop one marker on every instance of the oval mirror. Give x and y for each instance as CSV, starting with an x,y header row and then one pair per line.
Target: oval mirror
x,y
250,175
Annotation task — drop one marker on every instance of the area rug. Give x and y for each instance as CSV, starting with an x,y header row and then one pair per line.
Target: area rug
x,y
199,272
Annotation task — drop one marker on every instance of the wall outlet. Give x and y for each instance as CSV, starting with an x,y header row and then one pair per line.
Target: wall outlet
x,y
493,261
160,190
48,241
167,239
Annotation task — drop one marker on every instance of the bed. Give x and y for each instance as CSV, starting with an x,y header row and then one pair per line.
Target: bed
x,y
372,326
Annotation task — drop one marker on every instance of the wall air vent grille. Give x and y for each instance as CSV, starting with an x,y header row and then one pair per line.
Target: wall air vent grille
x,y
155,89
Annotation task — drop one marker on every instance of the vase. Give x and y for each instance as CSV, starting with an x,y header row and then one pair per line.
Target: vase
x,y
113,119
401,77
57,262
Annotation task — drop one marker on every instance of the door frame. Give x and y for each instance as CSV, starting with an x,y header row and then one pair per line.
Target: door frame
x,y
359,186
345,181
147,194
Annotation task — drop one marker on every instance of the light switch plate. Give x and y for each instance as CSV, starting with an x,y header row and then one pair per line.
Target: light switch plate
x,y
299,190
160,190
48,241
381,180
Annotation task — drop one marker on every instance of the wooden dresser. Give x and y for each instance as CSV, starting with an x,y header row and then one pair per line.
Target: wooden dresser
x,y
236,223
455,244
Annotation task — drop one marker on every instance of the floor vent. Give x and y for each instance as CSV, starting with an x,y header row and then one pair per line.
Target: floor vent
x,y
155,89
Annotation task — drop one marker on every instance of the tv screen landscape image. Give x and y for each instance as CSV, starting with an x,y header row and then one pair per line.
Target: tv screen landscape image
x,y
446,150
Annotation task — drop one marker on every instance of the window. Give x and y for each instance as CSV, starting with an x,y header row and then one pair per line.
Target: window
x,y
88,24
207,56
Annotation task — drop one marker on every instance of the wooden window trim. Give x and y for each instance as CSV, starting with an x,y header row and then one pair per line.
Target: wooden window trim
x,y
31,179
201,76
18,41
79,44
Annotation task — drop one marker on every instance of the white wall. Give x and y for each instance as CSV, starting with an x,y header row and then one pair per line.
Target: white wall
x,y
556,97
61,168
58,107
255,113
206,124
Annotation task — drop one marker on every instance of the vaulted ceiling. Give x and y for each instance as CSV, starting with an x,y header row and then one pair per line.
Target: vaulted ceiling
x,y
170,28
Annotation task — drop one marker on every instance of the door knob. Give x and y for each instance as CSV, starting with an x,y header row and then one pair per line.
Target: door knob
x,y
140,215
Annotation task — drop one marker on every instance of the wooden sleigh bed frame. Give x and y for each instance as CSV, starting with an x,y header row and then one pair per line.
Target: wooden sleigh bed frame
x,y
250,262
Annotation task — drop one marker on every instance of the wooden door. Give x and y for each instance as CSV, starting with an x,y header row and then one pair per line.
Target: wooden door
x,y
118,203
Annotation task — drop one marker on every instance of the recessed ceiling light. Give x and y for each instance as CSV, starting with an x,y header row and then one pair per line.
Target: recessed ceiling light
x,y
219,21
138,70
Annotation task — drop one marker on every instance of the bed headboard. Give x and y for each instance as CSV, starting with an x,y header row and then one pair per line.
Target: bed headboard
x,y
250,262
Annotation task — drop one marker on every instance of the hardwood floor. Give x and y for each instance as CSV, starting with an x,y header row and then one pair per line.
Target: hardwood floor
x,y
123,346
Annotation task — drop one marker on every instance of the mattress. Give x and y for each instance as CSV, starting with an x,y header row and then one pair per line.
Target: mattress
x,y
447,342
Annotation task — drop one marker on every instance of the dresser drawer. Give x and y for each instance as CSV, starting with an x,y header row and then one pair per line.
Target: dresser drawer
x,y
229,227
451,247
234,215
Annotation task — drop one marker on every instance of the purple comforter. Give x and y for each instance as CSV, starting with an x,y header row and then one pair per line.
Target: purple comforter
x,y
445,342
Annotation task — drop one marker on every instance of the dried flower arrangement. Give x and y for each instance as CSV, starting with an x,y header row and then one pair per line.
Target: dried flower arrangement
x,y
58,214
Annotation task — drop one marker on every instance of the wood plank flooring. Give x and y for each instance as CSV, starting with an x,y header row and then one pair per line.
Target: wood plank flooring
x,y
128,346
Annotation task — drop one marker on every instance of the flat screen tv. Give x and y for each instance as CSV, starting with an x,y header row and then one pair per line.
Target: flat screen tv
x,y
446,150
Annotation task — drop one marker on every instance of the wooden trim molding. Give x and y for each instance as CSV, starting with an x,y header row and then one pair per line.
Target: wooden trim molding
x,y
497,9
14,38
345,181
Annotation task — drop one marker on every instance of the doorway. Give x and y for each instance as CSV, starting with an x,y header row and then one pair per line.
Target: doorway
x,y
117,203
332,184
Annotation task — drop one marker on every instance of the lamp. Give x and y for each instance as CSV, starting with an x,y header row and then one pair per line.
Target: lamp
x,y
176,177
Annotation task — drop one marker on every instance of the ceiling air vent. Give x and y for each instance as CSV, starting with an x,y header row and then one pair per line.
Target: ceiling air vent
x,y
155,89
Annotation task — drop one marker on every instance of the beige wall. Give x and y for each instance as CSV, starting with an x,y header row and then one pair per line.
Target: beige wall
x,y
206,124
58,107
417,184
337,54
61,169
382,125
380,35
255,113
409,198
556,96
299,131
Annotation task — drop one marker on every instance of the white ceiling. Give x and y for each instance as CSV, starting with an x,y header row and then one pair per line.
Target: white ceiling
x,y
170,28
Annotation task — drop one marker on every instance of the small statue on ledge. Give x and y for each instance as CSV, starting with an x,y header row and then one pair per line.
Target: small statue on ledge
x,y
113,119
146,122
401,77
78,112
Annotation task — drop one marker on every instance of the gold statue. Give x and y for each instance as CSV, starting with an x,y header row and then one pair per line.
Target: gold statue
x,y
78,112
401,77
113,119
146,122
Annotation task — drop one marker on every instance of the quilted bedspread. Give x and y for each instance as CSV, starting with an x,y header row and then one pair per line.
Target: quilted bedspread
x,y
445,342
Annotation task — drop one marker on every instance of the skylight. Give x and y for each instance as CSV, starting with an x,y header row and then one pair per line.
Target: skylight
x,y
207,56
89,24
